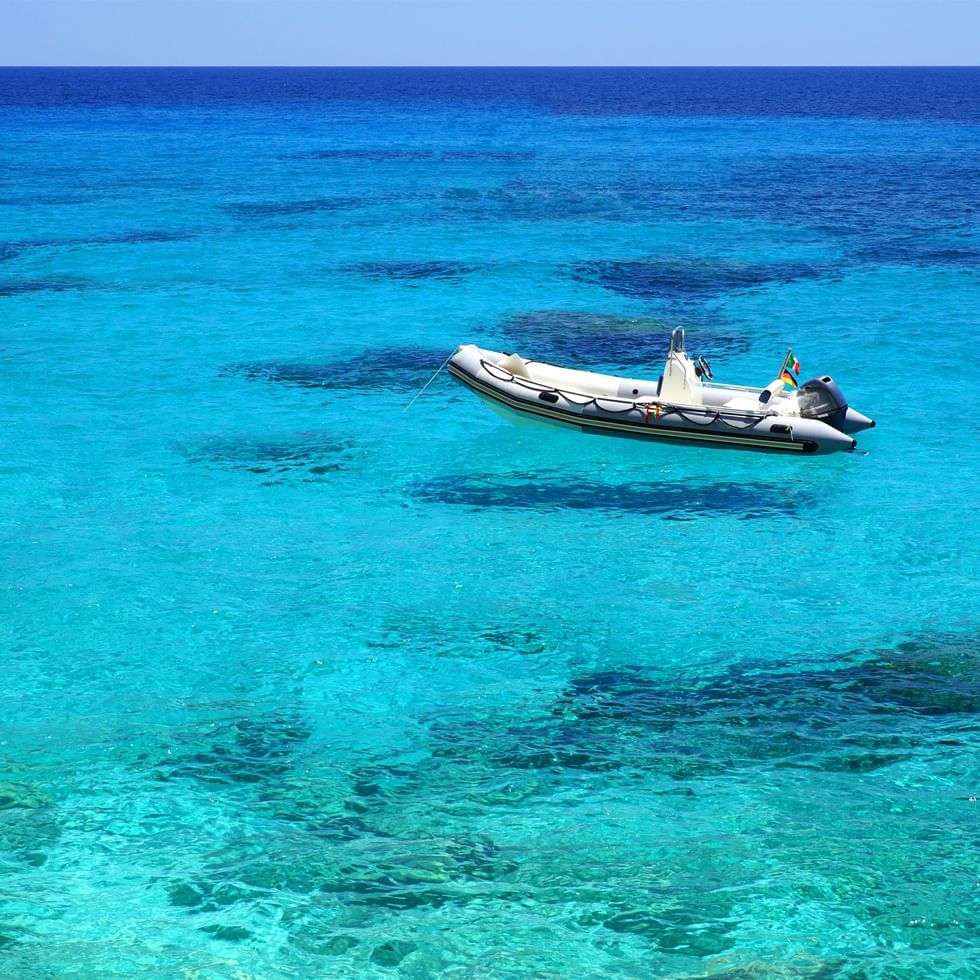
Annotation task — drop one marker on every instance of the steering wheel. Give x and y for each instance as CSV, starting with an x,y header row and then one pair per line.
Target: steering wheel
x,y
702,362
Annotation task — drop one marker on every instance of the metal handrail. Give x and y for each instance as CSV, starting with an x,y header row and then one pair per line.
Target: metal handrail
x,y
639,403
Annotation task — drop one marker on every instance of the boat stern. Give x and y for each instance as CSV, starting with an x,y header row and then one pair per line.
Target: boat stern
x,y
821,399
854,421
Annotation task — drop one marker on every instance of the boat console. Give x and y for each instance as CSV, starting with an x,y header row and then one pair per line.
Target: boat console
x,y
681,380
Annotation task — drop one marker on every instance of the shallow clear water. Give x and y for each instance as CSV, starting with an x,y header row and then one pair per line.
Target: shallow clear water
x,y
297,683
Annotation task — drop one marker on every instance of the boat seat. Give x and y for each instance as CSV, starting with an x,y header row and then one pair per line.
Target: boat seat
x,y
748,404
516,365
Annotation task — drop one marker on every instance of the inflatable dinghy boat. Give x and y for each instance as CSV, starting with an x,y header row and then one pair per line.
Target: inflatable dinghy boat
x,y
684,405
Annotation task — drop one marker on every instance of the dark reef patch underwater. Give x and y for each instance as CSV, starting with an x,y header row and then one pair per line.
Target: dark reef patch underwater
x,y
576,338
674,279
29,825
838,720
60,284
411,272
399,368
243,750
354,855
306,456
534,201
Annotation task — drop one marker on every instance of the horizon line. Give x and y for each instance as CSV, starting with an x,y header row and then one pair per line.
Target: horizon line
x,y
501,67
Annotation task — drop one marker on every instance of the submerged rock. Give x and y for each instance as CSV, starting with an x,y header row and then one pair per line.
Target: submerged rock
x,y
390,954
22,795
229,934
29,826
246,750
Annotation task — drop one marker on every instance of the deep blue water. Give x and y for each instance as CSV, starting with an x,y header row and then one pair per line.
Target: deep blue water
x,y
941,95
299,684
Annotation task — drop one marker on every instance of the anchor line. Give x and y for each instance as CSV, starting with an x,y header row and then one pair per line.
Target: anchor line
x,y
421,390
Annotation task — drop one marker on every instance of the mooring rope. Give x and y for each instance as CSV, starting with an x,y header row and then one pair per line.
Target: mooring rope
x,y
426,385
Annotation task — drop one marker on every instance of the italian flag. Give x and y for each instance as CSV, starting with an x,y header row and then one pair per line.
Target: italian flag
x,y
790,370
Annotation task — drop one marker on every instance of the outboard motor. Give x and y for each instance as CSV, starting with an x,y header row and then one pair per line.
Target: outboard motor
x,y
822,399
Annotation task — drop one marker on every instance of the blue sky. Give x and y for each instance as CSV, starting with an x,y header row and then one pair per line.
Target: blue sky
x,y
489,32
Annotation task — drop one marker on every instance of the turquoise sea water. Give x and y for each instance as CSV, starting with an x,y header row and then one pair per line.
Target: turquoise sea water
x,y
299,684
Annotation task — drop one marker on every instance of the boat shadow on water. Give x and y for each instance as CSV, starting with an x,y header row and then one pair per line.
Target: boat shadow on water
x,y
669,500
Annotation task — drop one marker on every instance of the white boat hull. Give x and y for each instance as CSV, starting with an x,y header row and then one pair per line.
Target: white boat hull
x,y
635,411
